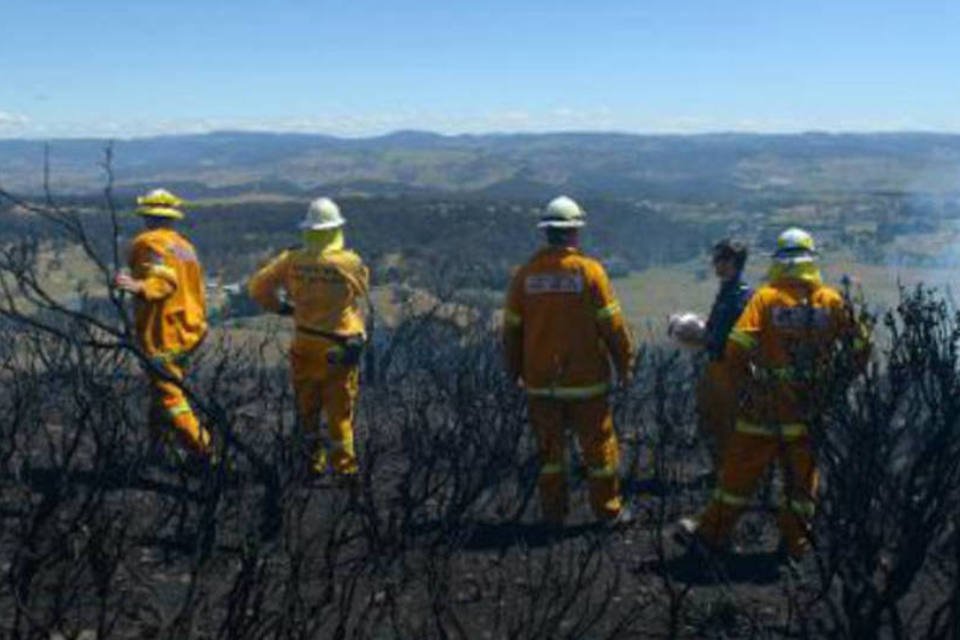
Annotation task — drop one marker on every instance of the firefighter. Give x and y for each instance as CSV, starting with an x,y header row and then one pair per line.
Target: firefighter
x,y
716,397
562,327
778,352
324,285
166,280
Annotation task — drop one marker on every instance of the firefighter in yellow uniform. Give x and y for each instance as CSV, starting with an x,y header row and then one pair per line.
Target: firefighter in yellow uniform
x,y
169,314
778,352
562,326
325,285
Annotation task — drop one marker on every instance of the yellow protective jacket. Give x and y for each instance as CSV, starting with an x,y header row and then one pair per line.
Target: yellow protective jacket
x,y
780,349
170,313
562,325
325,286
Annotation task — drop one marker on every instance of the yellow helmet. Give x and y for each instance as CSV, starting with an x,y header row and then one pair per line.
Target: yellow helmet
x,y
160,203
795,246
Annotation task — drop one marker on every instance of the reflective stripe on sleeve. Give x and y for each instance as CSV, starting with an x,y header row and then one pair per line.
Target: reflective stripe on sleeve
x,y
179,409
551,469
729,499
743,339
163,271
512,319
608,311
570,393
788,430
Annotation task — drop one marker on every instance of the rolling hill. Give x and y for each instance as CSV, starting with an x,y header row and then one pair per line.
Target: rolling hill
x,y
506,165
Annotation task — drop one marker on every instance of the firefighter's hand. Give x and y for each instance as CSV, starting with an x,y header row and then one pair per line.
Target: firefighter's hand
x,y
126,282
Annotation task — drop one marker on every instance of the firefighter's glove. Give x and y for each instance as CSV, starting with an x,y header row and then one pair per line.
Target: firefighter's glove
x,y
286,309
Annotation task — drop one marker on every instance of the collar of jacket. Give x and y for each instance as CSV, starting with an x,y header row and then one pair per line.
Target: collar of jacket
x,y
323,240
160,232
808,272
557,249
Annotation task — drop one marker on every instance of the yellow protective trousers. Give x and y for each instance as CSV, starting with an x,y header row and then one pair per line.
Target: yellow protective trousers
x,y
592,420
324,387
171,417
716,408
749,451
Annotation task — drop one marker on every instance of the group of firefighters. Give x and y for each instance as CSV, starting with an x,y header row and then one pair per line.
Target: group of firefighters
x,y
564,336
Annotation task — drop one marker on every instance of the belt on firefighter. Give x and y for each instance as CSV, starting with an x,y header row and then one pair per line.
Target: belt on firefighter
x,y
569,393
785,430
320,333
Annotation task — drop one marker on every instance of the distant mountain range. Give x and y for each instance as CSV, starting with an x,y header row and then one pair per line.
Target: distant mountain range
x,y
713,166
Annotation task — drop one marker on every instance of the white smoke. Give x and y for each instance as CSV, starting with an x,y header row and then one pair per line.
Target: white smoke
x,y
12,121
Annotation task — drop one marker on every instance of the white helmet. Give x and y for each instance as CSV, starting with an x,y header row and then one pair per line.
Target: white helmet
x,y
562,213
687,328
795,246
323,213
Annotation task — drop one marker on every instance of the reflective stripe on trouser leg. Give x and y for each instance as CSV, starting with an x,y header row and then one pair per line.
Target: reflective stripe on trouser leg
x,y
593,421
786,431
191,434
171,410
745,459
547,419
339,395
800,483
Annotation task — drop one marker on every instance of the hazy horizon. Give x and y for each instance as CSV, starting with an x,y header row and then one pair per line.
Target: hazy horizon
x,y
491,133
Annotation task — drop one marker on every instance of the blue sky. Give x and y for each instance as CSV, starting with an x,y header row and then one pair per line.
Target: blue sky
x,y
363,67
